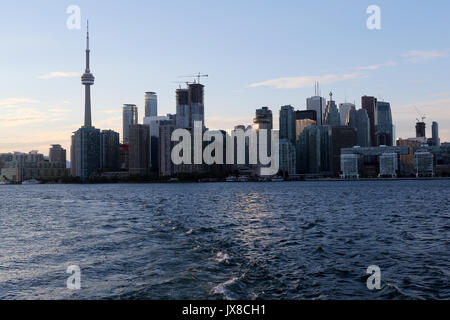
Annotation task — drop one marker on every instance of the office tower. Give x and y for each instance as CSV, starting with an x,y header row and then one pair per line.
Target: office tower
x,y
344,110
421,130
151,104
263,119
341,137
313,150
370,105
109,150
87,80
85,153
182,98
130,117
317,104
57,156
287,124
287,157
384,134
166,166
138,157
359,120
435,134
300,126
306,115
332,116
85,149
154,124
196,104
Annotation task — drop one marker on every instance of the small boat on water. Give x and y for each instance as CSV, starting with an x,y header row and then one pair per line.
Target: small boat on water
x,y
3,183
277,179
231,179
243,179
30,182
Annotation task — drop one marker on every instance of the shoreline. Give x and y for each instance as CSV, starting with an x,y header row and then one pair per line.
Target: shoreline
x,y
234,182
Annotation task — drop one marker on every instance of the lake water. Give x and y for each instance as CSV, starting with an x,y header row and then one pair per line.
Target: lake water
x,y
299,240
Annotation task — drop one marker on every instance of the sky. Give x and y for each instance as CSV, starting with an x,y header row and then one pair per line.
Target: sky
x,y
256,53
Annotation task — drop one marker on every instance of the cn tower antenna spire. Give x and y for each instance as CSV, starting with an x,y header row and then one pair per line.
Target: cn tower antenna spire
x,y
87,80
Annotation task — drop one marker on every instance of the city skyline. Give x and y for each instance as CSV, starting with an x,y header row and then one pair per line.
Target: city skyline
x,y
38,119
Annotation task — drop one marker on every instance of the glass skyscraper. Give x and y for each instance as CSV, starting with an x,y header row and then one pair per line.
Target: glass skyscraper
x,y
384,132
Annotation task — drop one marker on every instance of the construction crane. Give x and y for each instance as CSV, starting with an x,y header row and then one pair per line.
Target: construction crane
x,y
183,82
198,76
421,115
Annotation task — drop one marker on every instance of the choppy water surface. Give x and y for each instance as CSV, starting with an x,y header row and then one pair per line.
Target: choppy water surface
x,y
304,240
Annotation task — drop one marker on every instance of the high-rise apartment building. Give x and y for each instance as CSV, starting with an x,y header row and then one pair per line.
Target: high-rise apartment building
x,y
109,150
130,117
435,134
57,156
139,157
151,104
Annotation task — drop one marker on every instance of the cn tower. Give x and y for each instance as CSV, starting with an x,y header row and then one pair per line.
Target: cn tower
x,y
87,80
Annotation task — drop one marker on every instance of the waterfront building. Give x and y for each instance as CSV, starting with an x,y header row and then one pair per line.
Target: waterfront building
x,y
130,117
341,137
407,161
287,157
109,150
124,156
138,158
85,153
151,104
370,105
57,156
166,166
384,134
372,163
314,150
153,124
388,165
424,163
350,166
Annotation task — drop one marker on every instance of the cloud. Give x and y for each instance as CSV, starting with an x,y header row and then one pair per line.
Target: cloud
x,y
418,55
15,102
377,66
306,81
58,74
